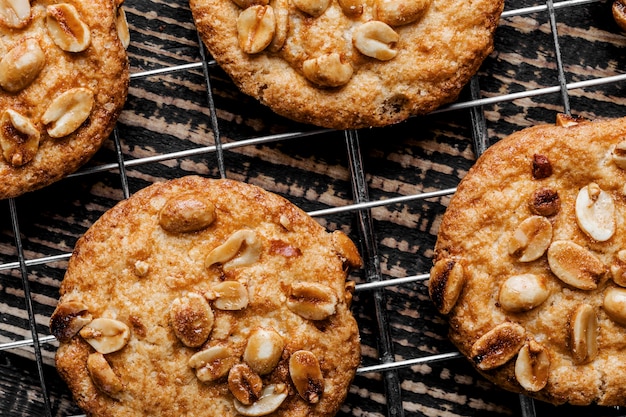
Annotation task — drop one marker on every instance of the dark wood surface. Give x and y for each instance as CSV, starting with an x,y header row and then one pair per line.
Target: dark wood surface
x,y
168,112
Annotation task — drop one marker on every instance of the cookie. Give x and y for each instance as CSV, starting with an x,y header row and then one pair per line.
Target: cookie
x,y
349,63
530,263
199,294
63,83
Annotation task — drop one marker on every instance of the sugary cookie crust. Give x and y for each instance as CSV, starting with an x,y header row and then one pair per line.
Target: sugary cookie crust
x,y
437,48
542,316
59,64
156,264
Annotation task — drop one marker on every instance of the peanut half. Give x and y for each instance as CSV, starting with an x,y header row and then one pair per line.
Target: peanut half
x,y
21,65
19,138
66,28
68,111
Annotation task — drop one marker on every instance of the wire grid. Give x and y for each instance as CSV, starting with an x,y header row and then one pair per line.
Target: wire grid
x,y
123,171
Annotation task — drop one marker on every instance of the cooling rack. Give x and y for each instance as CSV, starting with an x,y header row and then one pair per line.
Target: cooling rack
x,y
387,188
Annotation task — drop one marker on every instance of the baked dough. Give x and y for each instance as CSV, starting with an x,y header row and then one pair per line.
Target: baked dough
x,y
63,83
196,292
349,63
530,262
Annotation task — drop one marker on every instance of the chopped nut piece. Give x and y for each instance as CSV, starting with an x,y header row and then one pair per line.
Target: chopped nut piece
x,y
281,16
541,167
226,253
350,287
192,319
352,8
545,202
619,154
66,28
445,284
122,27
530,239
400,12
346,249
15,13
584,334
244,384
327,70
532,366
187,212
21,65
228,295
595,212
67,320
575,265
256,26
270,399
523,292
19,138
141,268
311,300
68,111
566,120
618,269
106,335
615,304
313,8
619,13
213,363
102,375
306,375
498,346
375,39
263,350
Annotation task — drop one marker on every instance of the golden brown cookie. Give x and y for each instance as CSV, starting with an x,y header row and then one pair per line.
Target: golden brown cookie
x,y
530,263
63,83
199,294
349,63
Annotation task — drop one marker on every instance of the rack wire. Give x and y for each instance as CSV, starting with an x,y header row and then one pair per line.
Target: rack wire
x,y
409,368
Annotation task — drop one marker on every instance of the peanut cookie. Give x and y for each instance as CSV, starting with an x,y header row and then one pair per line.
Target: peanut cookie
x,y
63,83
199,294
530,263
349,63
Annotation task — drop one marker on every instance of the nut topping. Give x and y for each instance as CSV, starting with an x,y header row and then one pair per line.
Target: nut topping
x,y
21,65
228,295
256,26
566,120
619,13
575,265
211,364
106,335
230,254
244,384
498,346
618,269
19,138
523,292
102,375
192,319
445,285
270,399
545,202
619,154
541,167
263,350
122,27
351,8
311,300
67,320
313,8
615,304
188,212
595,212
14,13
583,328
281,16
327,70
306,375
530,239
532,366
346,249
66,28
400,12
375,39
68,111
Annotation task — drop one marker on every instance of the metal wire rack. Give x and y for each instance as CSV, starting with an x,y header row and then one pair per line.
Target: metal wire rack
x,y
387,188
